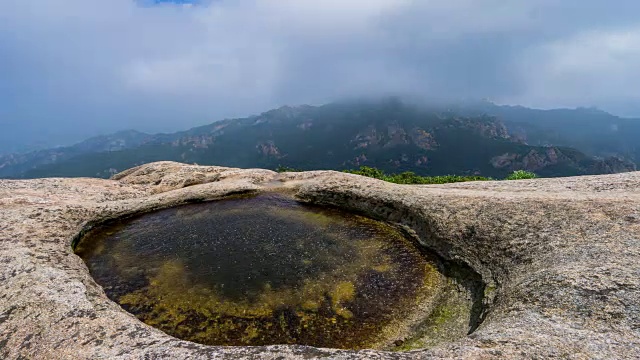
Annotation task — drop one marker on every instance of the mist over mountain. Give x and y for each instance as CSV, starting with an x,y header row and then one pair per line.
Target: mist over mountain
x,y
73,69
477,138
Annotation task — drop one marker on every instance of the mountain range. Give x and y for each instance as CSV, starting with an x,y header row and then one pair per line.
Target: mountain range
x,y
474,138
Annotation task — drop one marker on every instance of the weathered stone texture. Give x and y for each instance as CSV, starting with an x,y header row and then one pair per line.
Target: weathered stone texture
x,y
560,257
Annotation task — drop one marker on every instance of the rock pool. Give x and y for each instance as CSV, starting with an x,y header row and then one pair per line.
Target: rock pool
x,y
263,270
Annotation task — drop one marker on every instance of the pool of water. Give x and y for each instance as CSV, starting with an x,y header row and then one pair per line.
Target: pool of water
x,y
261,270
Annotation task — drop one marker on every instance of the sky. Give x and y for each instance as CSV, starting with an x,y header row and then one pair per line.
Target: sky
x,y
70,69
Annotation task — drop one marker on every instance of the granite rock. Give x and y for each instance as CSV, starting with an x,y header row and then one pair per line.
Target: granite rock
x,y
560,259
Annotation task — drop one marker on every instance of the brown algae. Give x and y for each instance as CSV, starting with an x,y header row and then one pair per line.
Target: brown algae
x,y
264,270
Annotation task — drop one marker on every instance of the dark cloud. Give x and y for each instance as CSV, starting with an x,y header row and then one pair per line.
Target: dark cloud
x,y
74,68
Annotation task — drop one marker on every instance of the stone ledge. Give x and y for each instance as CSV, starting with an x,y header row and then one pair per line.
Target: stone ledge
x,y
560,257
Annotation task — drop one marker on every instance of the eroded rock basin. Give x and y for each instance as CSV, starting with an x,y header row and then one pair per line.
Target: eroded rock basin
x,y
266,269
559,257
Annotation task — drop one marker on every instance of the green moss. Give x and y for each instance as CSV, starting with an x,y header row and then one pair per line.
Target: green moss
x,y
489,290
442,314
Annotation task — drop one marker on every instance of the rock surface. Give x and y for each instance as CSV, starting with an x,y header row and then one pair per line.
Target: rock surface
x,y
560,258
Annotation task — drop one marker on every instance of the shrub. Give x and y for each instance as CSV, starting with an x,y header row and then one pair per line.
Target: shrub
x,y
281,169
369,172
409,177
520,175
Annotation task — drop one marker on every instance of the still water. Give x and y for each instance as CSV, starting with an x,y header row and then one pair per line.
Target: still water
x,y
260,270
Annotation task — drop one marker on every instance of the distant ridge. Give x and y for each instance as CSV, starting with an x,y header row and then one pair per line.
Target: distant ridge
x,y
474,138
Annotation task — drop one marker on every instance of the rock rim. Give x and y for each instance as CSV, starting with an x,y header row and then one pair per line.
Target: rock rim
x,y
559,257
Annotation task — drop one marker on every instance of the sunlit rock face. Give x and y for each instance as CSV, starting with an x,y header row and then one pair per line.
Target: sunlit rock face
x,y
266,269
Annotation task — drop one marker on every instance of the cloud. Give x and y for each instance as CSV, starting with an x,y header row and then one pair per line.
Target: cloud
x,y
588,68
73,68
